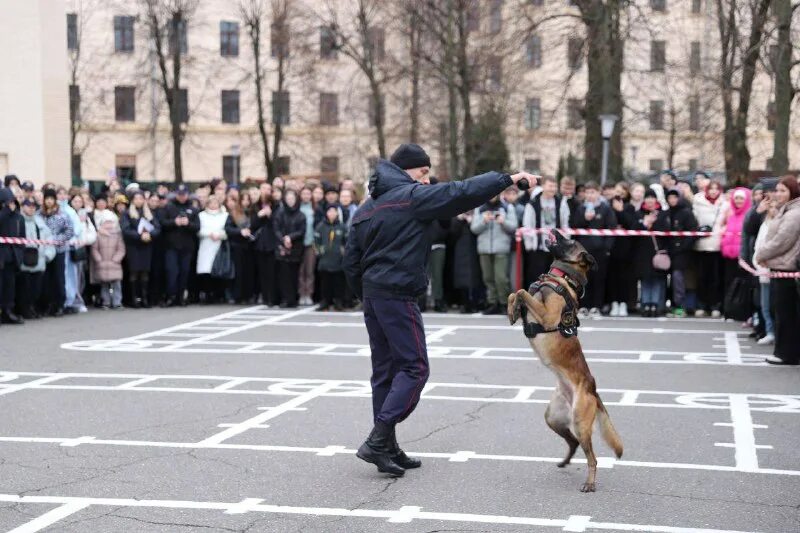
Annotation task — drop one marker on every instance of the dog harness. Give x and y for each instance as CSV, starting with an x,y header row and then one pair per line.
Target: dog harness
x,y
569,323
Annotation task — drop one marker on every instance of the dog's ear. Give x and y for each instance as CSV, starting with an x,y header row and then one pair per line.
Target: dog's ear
x,y
587,259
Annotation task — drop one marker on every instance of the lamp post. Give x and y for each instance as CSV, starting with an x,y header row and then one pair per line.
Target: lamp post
x,y
606,129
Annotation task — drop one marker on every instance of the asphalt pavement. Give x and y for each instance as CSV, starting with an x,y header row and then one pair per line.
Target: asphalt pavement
x,y
225,418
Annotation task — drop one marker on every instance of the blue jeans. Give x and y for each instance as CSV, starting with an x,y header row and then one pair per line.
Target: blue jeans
x,y
73,282
769,325
653,292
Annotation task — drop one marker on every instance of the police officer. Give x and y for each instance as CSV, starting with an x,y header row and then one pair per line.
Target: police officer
x,y
385,264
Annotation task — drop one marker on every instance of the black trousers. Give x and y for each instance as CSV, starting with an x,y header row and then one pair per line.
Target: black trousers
x,y
709,280
54,291
29,290
331,287
157,284
399,357
267,276
621,282
8,284
785,302
177,263
537,262
288,272
213,288
244,262
596,288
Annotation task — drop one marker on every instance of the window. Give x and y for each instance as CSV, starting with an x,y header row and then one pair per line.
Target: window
x,y
694,59
533,51
72,31
375,41
280,107
282,165
228,38
697,6
177,36
533,113
494,72
575,53
75,168
125,167
183,105
769,164
656,165
496,16
371,112
574,114
693,164
328,109
124,104
658,5
658,56
279,40
329,165
537,3
74,102
473,16
772,116
230,107
123,33
327,43
656,114
694,114
532,166
231,170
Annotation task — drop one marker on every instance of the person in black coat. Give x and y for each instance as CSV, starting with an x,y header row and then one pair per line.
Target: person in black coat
x,y
466,274
329,241
240,237
180,227
140,228
290,229
11,225
621,280
680,218
651,217
158,277
264,244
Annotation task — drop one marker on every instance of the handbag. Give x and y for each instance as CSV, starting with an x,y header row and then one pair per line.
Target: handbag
x,y
222,267
661,260
78,255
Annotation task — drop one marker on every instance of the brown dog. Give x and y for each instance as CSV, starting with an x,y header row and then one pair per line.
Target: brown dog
x,y
550,322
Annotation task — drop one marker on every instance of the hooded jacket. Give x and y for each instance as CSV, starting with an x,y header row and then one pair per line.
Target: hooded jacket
x,y
710,215
108,251
292,222
732,225
35,228
390,241
681,218
781,249
494,237
181,238
11,225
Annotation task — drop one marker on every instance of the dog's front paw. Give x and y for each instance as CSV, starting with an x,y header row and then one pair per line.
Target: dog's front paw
x,y
513,308
587,487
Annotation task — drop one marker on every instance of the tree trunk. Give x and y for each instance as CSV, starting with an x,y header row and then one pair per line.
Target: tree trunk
x,y
452,96
784,91
673,132
175,108
604,94
255,44
277,135
377,108
414,36
465,89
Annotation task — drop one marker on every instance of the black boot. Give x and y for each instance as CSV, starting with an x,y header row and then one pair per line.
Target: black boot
x,y
135,302
10,318
399,456
376,450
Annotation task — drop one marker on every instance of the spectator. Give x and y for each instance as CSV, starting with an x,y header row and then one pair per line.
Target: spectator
x,y
11,225
765,331
54,285
329,241
701,181
668,180
34,261
780,253
265,244
594,214
439,230
546,211
77,253
278,183
290,230
621,279
708,208
731,226
308,262
180,226
347,206
158,276
494,223
679,218
140,229
637,195
567,192
317,195
653,281
240,236
211,233
107,254
80,254
466,269
277,196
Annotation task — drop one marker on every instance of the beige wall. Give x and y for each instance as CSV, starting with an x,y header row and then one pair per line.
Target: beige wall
x,y
34,103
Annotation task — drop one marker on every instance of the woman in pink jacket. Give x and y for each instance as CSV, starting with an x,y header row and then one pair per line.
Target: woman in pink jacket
x,y
731,229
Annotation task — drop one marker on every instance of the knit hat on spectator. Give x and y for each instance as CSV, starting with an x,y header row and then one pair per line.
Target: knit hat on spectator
x,y
29,201
410,156
28,186
650,193
50,193
674,191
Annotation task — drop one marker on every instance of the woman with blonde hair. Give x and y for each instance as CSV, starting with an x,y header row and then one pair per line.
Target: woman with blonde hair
x,y
139,229
240,236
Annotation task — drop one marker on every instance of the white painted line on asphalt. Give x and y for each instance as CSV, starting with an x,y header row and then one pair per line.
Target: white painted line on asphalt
x,y
403,515
577,523
437,336
8,389
137,382
730,425
51,517
271,413
744,437
732,348
248,505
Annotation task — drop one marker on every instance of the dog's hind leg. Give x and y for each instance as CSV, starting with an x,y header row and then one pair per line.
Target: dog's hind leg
x,y
583,419
558,418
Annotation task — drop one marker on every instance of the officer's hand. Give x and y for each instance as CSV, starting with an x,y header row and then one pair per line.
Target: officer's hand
x,y
531,178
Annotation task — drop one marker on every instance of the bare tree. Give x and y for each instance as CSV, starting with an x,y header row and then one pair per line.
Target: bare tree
x,y
784,89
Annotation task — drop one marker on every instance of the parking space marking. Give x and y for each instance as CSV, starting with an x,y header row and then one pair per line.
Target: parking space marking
x,y
404,514
51,517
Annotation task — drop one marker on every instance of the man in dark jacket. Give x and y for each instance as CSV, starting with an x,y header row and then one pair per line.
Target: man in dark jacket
x,y
180,226
681,218
11,225
386,254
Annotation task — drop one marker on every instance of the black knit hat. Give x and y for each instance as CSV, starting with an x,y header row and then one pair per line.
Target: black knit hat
x,y
50,193
650,193
410,156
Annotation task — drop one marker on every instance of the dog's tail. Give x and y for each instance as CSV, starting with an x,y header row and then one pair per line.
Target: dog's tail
x,y
610,434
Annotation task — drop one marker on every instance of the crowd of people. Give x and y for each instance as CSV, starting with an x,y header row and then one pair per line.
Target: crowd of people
x,y
282,244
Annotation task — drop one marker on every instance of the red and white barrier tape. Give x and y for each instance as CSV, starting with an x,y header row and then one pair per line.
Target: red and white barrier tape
x,y
615,232
21,241
767,273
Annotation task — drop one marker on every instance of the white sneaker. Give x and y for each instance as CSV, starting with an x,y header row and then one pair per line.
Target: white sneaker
x,y
623,309
767,339
699,313
594,311
583,312
715,314
614,309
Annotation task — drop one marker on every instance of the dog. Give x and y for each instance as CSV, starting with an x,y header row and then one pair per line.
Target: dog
x,y
549,314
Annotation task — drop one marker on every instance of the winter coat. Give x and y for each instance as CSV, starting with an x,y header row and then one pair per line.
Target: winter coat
x,y
781,249
108,251
440,229
389,242
329,243
181,238
644,250
709,215
465,263
493,237
36,228
681,218
291,222
11,225
61,228
308,211
604,219
532,218
761,238
750,230
732,224
234,232
263,230
139,253
210,222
